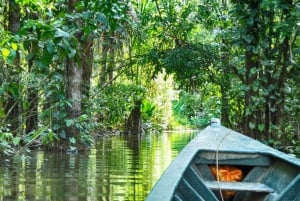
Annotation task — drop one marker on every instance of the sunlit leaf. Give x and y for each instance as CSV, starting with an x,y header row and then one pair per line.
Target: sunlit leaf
x,y
5,52
7,135
14,46
83,117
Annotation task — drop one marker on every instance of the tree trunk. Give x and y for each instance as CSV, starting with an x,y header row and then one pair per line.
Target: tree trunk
x,y
73,84
108,59
32,112
105,50
74,93
134,122
87,67
252,67
225,106
111,64
11,103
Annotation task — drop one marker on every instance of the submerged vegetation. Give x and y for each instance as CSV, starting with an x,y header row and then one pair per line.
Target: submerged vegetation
x,y
73,69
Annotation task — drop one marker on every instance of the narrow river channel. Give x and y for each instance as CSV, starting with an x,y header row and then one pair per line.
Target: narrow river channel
x,y
118,168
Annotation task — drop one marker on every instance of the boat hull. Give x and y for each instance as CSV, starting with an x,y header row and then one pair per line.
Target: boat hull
x,y
268,174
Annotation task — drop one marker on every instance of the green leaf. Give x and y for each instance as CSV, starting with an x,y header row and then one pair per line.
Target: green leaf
x,y
251,125
261,127
62,134
29,56
6,135
47,57
51,135
16,140
253,71
60,33
83,117
147,109
248,38
72,140
14,89
4,143
50,47
14,46
69,122
100,17
1,91
86,15
5,53
71,52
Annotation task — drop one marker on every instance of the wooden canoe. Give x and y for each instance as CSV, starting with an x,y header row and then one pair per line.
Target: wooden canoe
x,y
268,174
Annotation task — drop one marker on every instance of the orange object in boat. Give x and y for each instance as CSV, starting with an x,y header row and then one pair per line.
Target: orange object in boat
x,y
228,174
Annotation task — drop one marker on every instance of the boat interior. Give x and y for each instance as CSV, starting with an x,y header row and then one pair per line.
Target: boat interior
x,y
255,177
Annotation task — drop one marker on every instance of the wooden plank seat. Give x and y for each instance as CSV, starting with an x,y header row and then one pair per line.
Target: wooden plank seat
x,y
239,186
230,158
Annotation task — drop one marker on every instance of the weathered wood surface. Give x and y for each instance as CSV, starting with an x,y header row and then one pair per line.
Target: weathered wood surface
x,y
239,186
234,158
276,173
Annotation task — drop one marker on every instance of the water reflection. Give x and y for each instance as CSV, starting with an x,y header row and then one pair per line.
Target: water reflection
x,y
117,168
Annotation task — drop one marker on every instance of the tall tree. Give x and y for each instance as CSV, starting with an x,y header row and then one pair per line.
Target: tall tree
x,y
251,41
73,83
266,29
11,101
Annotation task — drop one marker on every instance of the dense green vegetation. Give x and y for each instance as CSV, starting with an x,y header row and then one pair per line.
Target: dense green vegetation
x,y
70,70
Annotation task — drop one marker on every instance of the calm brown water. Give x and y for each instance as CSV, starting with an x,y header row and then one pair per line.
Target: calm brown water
x,y
117,168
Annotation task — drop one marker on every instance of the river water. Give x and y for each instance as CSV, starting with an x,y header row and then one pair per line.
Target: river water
x,y
117,168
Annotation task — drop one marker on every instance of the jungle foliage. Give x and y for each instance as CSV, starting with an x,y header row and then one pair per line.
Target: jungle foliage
x,y
70,69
